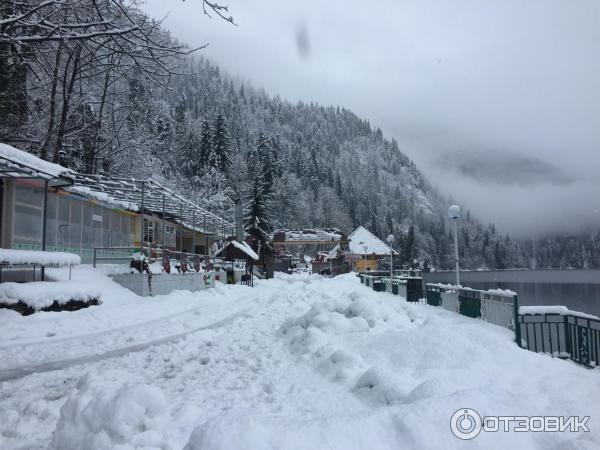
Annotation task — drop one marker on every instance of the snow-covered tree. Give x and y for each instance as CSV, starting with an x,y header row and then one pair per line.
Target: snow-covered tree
x,y
221,144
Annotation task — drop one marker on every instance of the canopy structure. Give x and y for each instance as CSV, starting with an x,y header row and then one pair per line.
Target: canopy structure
x,y
149,196
15,163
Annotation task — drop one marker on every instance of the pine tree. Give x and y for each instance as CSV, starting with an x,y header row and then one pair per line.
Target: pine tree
x,y
389,223
257,223
409,245
374,225
205,150
191,162
221,144
338,185
266,163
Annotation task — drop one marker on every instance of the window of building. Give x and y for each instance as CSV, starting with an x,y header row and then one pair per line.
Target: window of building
x,y
149,230
27,222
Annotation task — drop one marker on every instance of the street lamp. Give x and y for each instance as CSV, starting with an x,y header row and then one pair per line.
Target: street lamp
x,y
390,240
454,215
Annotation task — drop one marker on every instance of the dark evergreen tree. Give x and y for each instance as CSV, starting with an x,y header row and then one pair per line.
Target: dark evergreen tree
x,y
257,222
205,150
191,162
374,226
389,223
409,245
221,144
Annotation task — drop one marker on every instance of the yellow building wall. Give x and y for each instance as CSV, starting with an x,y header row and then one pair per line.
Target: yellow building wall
x,y
362,265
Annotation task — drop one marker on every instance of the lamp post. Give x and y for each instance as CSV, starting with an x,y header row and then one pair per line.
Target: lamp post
x,y
390,240
454,215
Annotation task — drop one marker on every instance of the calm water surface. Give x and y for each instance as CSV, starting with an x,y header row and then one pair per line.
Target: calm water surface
x,y
578,290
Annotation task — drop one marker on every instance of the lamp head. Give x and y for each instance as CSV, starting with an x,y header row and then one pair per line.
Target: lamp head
x,y
454,212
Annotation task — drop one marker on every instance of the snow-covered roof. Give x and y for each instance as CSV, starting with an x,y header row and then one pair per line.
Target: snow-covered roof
x,y
47,259
333,253
362,237
18,163
309,234
133,193
103,197
244,247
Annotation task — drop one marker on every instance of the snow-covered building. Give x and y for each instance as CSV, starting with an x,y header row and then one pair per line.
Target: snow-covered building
x,y
308,236
48,207
365,250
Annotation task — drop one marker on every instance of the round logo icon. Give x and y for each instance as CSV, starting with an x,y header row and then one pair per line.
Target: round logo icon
x,y
465,424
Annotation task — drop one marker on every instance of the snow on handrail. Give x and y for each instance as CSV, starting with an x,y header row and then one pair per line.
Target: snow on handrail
x,y
39,258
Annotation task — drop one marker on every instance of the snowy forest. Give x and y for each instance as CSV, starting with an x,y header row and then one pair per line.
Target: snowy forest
x,y
99,87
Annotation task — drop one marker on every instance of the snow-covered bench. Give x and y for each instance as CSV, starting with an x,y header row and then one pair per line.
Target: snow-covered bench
x,y
35,258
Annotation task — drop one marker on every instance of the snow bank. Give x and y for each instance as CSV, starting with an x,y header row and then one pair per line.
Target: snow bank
x,y
323,381
353,314
41,294
561,310
314,335
377,389
48,259
105,412
27,159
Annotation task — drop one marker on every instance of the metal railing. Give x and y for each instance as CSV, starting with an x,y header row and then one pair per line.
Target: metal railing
x,y
497,307
125,254
570,336
573,336
404,284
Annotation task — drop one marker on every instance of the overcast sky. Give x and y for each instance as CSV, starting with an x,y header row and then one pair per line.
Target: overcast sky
x,y
497,101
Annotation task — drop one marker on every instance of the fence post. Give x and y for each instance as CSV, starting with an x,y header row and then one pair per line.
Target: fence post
x,y
586,344
142,230
568,344
94,257
516,319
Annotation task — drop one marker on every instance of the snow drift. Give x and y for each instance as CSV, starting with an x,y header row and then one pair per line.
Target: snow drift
x,y
106,412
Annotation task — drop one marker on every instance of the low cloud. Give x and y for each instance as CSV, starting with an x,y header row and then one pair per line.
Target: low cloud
x,y
504,168
497,102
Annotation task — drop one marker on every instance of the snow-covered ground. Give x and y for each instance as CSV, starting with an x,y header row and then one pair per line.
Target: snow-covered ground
x,y
299,362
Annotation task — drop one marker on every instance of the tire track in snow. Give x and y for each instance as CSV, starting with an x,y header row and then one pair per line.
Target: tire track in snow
x,y
23,371
135,325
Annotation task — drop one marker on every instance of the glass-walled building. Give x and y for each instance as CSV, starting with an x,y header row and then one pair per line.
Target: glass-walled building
x,y
74,224
83,213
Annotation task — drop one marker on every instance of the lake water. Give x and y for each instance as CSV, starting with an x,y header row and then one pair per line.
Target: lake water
x,y
578,290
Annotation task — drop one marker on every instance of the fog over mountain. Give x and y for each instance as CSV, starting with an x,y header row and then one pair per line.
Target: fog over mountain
x,y
497,102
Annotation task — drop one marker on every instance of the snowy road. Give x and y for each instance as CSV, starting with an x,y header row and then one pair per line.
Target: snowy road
x,y
294,363
93,353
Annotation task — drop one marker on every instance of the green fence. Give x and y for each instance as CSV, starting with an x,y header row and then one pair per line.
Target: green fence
x,y
568,336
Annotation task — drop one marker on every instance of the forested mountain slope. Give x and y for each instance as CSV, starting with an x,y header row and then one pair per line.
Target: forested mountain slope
x,y
103,105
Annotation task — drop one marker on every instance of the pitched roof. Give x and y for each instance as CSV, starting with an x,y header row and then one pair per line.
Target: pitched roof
x,y
242,246
363,241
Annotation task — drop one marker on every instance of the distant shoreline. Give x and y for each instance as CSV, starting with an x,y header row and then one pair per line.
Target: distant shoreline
x,y
549,276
